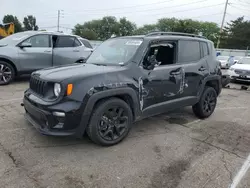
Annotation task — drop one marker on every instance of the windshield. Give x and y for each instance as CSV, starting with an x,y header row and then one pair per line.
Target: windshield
x,y
15,38
222,57
244,61
237,58
115,51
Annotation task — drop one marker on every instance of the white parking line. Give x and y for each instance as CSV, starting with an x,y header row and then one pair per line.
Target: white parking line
x,y
241,173
232,108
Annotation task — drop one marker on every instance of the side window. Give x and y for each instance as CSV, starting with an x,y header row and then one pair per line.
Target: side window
x,y
86,43
162,53
77,43
204,47
39,41
189,51
65,42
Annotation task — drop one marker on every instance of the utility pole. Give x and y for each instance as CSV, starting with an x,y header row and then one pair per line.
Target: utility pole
x,y
222,23
58,20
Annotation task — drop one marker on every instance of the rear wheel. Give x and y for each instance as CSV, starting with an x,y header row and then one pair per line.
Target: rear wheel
x,y
110,122
205,107
7,73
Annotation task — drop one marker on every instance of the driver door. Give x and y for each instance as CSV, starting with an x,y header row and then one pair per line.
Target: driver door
x,y
164,83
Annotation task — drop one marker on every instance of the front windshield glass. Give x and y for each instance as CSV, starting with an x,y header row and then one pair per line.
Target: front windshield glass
x,y
222,57
15,38
115,51
244,61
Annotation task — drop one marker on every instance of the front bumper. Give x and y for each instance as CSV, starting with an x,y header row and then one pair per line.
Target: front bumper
x,y
234,76
45,121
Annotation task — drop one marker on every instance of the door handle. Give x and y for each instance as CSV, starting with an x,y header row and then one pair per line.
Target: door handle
x,y
202,68
47,51
76,50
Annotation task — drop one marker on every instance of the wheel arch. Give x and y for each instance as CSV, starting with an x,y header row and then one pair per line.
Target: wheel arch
x,y
126,94
214,82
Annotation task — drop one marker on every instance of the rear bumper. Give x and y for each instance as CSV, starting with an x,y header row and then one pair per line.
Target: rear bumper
x,y
47,123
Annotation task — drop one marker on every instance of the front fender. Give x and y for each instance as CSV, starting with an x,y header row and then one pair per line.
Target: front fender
x,y
90,101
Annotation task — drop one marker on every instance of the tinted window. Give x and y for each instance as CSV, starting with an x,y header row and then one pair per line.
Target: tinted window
x,y
86,43
65,41
77,43
39,41
189,51
204,47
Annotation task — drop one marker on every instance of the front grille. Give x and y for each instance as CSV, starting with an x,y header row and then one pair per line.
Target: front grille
x,y
242,72
38,86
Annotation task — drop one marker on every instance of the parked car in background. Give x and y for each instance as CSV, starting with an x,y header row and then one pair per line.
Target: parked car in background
x,y
237,58
224,61
240,70
25,52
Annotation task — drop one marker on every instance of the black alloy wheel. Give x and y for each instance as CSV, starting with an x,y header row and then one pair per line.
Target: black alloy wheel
x,y
110,122
206,106
209,102
113,123
6,73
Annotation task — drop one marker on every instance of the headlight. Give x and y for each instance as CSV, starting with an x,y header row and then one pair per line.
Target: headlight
x,y
57,89
231,69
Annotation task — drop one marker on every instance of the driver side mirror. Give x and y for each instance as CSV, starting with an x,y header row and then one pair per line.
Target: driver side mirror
x,y
25,45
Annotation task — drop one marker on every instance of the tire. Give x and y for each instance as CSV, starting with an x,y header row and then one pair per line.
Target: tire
x,y
205,107
7,73
106,126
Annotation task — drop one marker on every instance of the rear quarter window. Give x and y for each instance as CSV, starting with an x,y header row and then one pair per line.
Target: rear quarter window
x,y
189,51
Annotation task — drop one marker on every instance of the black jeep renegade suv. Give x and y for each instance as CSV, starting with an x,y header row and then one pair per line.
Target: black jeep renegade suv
x,y
124,80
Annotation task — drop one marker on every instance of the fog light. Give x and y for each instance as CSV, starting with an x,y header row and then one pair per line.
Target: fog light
x,y
58,126
59,114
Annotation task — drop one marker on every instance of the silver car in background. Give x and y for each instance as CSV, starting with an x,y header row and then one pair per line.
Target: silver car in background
x,y
25,52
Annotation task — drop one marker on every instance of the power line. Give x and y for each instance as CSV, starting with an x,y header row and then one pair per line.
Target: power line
x,y
186,10
165,8
133,6
154,8
239,8
244,2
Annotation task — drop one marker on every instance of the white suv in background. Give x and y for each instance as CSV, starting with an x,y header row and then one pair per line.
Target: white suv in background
x,y
240,70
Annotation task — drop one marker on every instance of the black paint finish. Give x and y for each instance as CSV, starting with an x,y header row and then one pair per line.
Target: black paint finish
x,y
148,92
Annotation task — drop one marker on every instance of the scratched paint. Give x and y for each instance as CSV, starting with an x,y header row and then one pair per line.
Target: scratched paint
x,y
141,88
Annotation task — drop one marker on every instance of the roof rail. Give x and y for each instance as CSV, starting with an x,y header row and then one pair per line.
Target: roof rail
x,y
174,33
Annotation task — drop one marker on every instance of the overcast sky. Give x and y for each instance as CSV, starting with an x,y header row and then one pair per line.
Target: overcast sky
x,y
139,11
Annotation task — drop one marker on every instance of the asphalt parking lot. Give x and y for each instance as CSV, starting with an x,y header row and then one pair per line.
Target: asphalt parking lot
x,y
169,150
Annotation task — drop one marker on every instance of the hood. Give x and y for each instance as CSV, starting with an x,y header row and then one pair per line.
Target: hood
x,y
241,66
61,73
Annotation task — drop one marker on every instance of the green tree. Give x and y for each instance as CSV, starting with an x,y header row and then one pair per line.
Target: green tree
x,y
10,18
145,29
29,23
84,32
236,35
126,27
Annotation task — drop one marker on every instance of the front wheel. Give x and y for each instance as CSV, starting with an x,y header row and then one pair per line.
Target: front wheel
x,y
110,122
7,73
205,107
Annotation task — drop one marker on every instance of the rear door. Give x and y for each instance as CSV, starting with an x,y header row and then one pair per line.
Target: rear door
x,y
38,56
193,58
66,50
